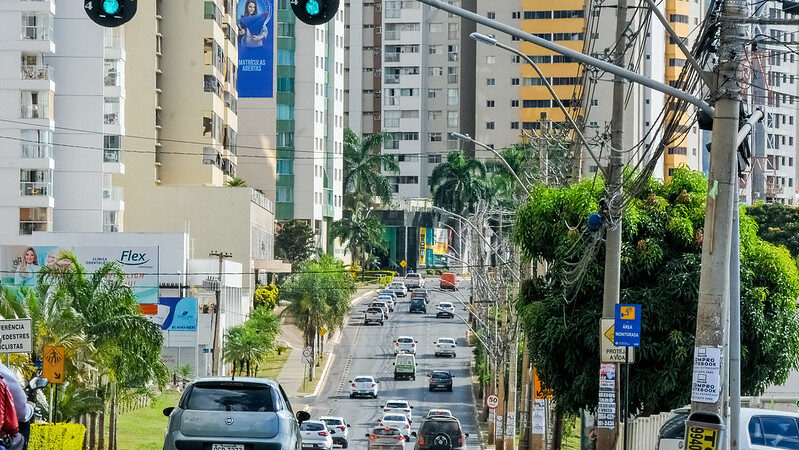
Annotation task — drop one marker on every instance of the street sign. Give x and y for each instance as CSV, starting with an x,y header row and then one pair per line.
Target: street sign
x,y
53,367
492,401
611,353
403,263
322,331
627,326
306,355
701,436
539,392
15,336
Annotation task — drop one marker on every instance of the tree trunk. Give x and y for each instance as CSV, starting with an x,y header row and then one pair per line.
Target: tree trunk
x,y
93,431
248,367
101,428
84,421
112,429
557,433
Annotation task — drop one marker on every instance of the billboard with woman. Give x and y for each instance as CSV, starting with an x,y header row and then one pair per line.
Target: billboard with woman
x,y
255,19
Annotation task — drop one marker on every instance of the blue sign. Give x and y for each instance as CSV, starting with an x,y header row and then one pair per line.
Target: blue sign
x,y
181,314
627,327
256,20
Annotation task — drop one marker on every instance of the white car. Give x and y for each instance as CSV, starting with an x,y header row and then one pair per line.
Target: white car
x,y
315,434
414,281
387,299
389,292
400,421
381,305
364,386
395,406
405,344
339,430
446,347
445,309
399,288
439,413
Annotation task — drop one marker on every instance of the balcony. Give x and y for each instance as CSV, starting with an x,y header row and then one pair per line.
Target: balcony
x,y
35,188
37,150
112,155
38,72
35,111
111,118
113,199
392,57
36,32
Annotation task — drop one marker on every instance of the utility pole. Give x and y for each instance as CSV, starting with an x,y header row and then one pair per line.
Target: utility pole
x,y
524,410
606,437
218,311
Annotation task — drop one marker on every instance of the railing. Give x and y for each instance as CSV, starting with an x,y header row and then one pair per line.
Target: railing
x,y
110,227
392,57
39,72
391,35
37,150
35,111
36,32
643,432
111,118
261,200
391,79
35,188
112,155
114,193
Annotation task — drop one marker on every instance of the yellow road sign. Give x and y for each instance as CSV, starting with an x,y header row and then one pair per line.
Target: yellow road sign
x,y
539,392
53,364
403,263
322,331
611,353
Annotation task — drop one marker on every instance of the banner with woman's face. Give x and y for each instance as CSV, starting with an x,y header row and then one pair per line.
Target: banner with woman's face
x,y
255,19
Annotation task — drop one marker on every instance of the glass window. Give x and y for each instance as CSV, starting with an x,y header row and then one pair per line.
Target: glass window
x,y
284,194
33,219
285,166
111,73
452,97
452,118
230,397
779,432
285,57
285,139
285,112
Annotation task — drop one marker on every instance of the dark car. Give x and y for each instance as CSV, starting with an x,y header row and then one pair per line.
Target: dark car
x,y
440,379
421,293
440,433
418,305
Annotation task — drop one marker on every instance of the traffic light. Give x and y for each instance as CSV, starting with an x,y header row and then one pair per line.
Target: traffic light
x,y
315,12
110,13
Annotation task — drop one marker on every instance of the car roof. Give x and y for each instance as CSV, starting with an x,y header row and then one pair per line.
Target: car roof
x,y
444,337
747,413
404,417
402,337
441,371
396,400
318,422
250,380
363,376
331,417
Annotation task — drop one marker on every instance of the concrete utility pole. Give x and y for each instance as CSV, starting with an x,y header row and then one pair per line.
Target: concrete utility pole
x,y
606,437
218,312
524,409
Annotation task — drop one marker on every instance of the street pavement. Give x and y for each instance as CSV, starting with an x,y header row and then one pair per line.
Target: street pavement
x,y
369,350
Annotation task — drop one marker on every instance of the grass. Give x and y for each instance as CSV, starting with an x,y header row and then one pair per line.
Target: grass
x,y
308,387
274,365
144,428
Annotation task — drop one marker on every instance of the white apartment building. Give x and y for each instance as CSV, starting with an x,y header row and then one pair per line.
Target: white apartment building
x,y
60,107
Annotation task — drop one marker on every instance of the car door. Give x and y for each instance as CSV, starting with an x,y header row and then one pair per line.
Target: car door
x,y
295,426
768,432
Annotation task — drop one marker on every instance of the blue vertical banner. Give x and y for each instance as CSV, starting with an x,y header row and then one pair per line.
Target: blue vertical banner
x,y
256,19
627,326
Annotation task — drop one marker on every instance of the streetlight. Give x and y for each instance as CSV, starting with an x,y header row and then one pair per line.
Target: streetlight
x,y
466,138
492,41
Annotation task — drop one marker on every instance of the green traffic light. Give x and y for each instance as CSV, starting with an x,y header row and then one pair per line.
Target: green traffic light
x,y
312,7
110,6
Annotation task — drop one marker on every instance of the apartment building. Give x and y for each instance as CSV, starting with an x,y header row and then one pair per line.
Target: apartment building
x,y
363,58
60,103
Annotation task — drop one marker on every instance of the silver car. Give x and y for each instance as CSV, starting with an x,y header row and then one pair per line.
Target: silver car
x,y
228,414
386,438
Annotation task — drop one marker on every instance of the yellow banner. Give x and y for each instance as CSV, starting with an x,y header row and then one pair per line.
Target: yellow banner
x,y
422,246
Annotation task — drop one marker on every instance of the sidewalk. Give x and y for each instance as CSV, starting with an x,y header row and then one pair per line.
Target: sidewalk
x,y
291,376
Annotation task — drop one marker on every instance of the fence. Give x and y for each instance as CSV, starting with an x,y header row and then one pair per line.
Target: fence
x,y
643,432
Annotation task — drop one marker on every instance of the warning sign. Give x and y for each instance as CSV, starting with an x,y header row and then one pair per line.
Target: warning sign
x,y
53,364
539,391
15,336
611,353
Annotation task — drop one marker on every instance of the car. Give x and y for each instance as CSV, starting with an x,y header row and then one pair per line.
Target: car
x,y
439,379
448,281
364,385
388,300
445,347
386,438
414,281
399,288
373,315
759,429
445,309
440,433
405,344
399,421
398,407
423,293
388,292
405,366
418,305
439,413
381,305
339,430
315,435
220,412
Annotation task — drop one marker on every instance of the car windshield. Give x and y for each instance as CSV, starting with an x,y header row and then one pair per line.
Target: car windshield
x,y
363,380
373,310
231,397
333,421
405,340
445,305
385,432
312,426
394,418
446,341
448,427
396,405
442,375
418,300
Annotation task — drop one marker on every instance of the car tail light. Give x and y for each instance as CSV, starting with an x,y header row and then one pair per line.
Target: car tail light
x,y
353,384
413,345
373,385
372,436
399,438
385,409
342,427
421,440
407,410
460,441
324,433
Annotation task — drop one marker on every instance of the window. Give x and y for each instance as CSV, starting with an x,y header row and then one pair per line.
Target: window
x,y
434,93
112,146
452,118
514,125
433,115
435,71
678,18
35,182
112,76
285,57
452,142
491,59
284,166
212,84
534,15
434,159
490,81
452,52
536,103
285,29
452,74
516,15
514,81
677,62
435,27
285,139
514,103
285,112
491,15
452,97
435,49
435,137
489,125
37,143
453,30
213,12
489,103
774,431
568,14
111,111
284,194
34,219
678,151
285,84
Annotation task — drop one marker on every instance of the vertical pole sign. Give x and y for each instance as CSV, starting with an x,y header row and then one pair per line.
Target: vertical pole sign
x,y
627,333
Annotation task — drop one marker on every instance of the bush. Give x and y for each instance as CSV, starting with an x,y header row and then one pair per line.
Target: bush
x,y
57,436
265,295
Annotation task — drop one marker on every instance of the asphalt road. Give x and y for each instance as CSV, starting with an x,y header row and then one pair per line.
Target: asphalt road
x,y
369,350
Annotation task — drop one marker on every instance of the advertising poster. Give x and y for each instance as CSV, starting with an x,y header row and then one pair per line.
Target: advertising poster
x,y
706,385
255,19
422,246
20,265
173,313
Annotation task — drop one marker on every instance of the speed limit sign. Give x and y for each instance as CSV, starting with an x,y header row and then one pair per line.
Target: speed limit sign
x,y
492,401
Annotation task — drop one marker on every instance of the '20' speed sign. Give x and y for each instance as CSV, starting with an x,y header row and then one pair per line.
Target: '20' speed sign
x,y
492,401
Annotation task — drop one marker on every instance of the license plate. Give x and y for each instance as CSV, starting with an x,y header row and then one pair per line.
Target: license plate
x,y
701,438
227,447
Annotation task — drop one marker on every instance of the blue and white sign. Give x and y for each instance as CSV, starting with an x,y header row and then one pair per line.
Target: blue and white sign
x,y
256,20
627,326
181,314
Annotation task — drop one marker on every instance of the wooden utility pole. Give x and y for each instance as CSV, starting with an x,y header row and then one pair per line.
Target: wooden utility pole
x,y
218,312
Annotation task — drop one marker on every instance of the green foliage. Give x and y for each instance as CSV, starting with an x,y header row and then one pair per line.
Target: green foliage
x,y
266,296
458,183
248,343
56,436
294,242
360,232
661,258
778,224
363,169
236,182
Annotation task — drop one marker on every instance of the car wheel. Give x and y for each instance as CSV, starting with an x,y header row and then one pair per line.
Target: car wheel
x,y
413,378
352,395
345,444
396,377
430,388
449,389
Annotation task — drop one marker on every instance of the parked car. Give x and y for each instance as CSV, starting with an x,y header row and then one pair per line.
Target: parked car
x,y
381,305
405,344
388,292
364,386
373,315
414,281
386,438
399,421
387,299
398,407
439,413
339,430
399,288
405,366
445,309
242,413
449,281
440,433
440,379
418,305
445,347
315,435
760,429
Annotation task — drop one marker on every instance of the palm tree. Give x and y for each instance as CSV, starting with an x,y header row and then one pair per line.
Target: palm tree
x,y
363,161
236,182
360,232
458,183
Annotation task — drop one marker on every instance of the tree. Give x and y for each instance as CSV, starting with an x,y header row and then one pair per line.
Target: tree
x,y
246,345
294,242
661,257
363,169
778,224
458,183
236,182
361,233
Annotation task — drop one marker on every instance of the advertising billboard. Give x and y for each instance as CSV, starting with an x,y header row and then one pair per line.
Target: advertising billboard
x,y
20,265
173,313
255,19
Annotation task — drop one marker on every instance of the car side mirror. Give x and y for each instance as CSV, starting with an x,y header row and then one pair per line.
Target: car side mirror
x,y
411,407
302,416
349,426
168,411
413,433
382,406
349,381
377,382
466,434
368,435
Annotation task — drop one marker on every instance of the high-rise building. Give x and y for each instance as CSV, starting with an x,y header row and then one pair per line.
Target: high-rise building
x,y
363,56
60,105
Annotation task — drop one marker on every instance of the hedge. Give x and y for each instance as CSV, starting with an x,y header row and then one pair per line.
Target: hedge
x,y
57,436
